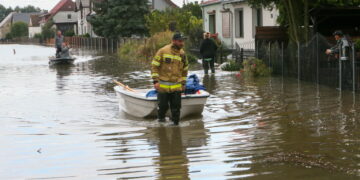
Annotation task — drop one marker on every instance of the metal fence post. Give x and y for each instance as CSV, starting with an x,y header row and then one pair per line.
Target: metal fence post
x,y
299,67
340,74
257,49
107,45
282,58
353,67
112,45
317,59
269,63
241,55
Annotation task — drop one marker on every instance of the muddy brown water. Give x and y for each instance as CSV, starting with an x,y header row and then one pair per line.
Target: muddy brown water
x,y
63,122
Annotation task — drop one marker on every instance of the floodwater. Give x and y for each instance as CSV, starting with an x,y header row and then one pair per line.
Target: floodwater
x,y
63,122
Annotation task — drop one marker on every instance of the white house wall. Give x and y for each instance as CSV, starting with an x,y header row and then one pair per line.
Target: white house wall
x,y
33,31
160,5
84,27
62,17
268,19
248,23
218,21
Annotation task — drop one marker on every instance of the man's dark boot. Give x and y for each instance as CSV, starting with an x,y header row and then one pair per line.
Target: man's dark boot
x,y
176,122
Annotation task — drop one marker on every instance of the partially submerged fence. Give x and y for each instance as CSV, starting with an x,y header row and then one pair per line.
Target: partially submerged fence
x,y
243,51
100,44
105,45
310,63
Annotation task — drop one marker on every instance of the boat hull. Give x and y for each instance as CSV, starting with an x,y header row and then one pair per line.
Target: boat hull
x,y
61,60
136,104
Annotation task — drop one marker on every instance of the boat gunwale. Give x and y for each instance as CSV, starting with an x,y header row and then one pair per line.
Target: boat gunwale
x,y
127,93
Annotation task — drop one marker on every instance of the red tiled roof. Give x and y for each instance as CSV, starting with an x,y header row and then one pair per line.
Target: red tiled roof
x,y
210,2
61,6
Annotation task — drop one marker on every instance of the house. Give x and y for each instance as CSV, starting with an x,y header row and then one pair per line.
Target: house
x,y
84,9
13,17
161,4
235,21
62,15
34,25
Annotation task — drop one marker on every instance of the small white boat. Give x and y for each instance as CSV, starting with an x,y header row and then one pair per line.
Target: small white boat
x,y
137,104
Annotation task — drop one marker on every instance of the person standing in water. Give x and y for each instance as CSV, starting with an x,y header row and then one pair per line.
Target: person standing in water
x,y
59,39
208,52
169,70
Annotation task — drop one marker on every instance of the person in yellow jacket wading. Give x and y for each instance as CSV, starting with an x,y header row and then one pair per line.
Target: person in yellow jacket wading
x,y
169,70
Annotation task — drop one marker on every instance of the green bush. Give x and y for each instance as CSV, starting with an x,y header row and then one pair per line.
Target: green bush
x,y
191,58
254,67
47,31
357,45
69,33
8,36
129,51
38,36
154,43
19,29
133,50
231,65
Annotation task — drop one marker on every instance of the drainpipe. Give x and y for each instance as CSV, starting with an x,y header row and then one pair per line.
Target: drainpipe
x,y
231,21
203,15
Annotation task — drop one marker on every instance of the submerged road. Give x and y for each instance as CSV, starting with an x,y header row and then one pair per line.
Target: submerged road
x,y
63,122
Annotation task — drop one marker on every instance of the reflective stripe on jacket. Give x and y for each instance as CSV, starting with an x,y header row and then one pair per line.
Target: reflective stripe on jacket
x,y
170,65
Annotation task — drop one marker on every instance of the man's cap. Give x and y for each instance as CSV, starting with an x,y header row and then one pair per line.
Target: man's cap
x,y
178,36
338,32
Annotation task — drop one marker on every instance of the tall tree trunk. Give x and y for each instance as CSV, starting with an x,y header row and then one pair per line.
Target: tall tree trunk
x,y
293,25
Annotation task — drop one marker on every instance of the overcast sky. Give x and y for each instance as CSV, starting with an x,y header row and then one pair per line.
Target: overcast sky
x,y
49,4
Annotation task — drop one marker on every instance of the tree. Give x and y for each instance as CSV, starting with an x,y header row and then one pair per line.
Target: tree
x,y
176,19
47,31
183,20
29,9
4,12
120,18
194,8
19,29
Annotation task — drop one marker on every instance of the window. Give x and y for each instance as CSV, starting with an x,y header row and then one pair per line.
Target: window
x,y
69,16
239,16
226,29
257,19
212,24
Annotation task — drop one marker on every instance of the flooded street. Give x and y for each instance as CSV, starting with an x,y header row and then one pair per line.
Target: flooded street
x,y
63,122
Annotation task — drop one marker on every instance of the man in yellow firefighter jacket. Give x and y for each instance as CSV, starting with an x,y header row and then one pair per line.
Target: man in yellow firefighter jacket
x,y
169,70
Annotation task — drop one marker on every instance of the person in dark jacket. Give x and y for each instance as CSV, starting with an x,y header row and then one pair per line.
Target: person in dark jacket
x,y
341,41
208,52
59,39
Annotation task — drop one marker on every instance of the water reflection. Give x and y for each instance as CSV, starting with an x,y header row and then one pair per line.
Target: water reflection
x,y
62,71
172,161
172,144
209,81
